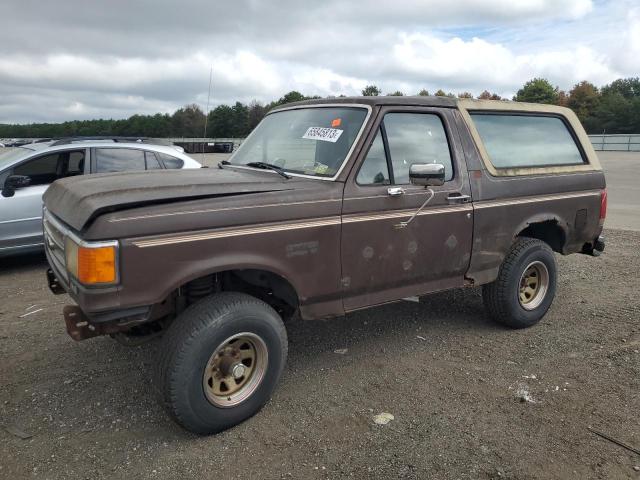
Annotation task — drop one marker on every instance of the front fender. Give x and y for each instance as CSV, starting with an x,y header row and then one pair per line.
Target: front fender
x,y
306,258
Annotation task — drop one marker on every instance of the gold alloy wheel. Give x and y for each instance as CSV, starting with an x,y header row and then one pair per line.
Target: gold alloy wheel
x,y
533,286
235,369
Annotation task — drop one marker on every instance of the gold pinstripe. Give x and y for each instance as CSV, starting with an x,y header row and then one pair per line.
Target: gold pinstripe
x,y
350,218
403,213
322,222
537,199
237,232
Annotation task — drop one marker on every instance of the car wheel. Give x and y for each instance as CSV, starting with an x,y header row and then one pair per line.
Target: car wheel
x,y
526,284
220,361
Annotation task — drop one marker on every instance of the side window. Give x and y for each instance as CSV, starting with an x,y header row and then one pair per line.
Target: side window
x,y
74,164
416,138
411,138
152,161
119,160
374,170
169,161
42,170
526,140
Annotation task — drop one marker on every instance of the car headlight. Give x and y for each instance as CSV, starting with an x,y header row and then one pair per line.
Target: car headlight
x,y
92,263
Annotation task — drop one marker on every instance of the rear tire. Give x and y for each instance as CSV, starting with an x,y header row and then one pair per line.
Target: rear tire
x,y
526,284
220,361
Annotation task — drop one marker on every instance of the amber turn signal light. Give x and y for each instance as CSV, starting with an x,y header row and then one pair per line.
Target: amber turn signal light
x,y
91,265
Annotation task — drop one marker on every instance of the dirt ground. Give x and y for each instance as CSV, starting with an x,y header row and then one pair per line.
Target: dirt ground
x,y
470,399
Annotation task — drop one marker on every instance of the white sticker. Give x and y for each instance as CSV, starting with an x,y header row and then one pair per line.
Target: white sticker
x,y
321,133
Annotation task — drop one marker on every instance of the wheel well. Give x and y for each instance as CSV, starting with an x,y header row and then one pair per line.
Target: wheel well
x,y
270,287
548,231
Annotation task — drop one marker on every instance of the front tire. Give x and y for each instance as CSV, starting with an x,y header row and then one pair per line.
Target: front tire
x,y
220,361
526,284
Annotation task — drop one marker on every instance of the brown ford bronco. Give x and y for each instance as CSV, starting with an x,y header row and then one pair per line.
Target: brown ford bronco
x,y
329,206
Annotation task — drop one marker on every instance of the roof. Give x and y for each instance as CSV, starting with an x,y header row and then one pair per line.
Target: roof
x,y
380,100
55,146
31,149
433,101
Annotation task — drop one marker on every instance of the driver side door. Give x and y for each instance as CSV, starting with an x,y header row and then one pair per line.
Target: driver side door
x,y
382,261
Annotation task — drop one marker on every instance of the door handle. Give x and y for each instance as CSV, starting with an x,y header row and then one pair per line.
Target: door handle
x,y
395,191
458,198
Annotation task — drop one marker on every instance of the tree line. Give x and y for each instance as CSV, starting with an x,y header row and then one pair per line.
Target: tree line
x,y
613,108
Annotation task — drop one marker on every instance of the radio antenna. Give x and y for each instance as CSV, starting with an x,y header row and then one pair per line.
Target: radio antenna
x,y
206,113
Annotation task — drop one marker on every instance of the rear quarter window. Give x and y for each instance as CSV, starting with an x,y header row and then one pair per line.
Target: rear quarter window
x,y
521,141
169,161
119,160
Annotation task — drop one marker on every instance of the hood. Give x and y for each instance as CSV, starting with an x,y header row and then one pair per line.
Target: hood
x,y
77,200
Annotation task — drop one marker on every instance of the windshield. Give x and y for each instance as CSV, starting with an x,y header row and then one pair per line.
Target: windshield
x,y
310,141
10,155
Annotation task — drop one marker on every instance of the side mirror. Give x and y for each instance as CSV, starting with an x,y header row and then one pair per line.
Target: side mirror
x,y
426,174
12,183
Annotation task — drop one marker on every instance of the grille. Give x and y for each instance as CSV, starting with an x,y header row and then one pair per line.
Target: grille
x,y
54,244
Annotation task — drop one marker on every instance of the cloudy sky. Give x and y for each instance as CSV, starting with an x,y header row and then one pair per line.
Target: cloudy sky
x,y
77,59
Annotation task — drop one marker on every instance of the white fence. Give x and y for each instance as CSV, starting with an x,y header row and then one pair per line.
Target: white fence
x,y
619,143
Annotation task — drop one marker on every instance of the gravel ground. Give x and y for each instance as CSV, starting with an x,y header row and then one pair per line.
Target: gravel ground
x,y
470,399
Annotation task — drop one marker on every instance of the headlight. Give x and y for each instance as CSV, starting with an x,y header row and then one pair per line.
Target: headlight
x,y
92,264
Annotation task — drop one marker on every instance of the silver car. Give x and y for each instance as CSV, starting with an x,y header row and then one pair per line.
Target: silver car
x,y
27,171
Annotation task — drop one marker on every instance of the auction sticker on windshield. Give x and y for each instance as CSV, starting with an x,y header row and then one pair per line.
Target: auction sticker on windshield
x,y
323,133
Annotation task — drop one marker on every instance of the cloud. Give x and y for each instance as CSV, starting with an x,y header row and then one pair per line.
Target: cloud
x,y
77,59
477,63
626,52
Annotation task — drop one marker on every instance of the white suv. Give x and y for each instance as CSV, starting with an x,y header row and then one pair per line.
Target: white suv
x,y
27,171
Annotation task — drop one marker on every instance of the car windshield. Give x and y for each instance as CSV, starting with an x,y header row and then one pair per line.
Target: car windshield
x,y
10,155
310,141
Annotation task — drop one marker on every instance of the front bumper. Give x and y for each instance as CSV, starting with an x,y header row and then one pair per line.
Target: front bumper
x,y
54,284
80,328
82,325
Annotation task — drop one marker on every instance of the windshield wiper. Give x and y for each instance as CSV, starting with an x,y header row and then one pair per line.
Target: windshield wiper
x,y
268,166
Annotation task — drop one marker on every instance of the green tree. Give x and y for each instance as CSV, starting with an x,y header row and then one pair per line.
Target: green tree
x,y
397,93
240,120
615,114
371,91
423,93
563,98
583,99
257,112
442,93
220,124
188,121
627,87
465,95
538,90
487,95
292,96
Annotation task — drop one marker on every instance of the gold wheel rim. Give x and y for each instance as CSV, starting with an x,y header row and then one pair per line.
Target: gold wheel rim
x,y
533,285
235,369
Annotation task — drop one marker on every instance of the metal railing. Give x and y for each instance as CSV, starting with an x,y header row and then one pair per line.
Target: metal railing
x,y
236,141
617,142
